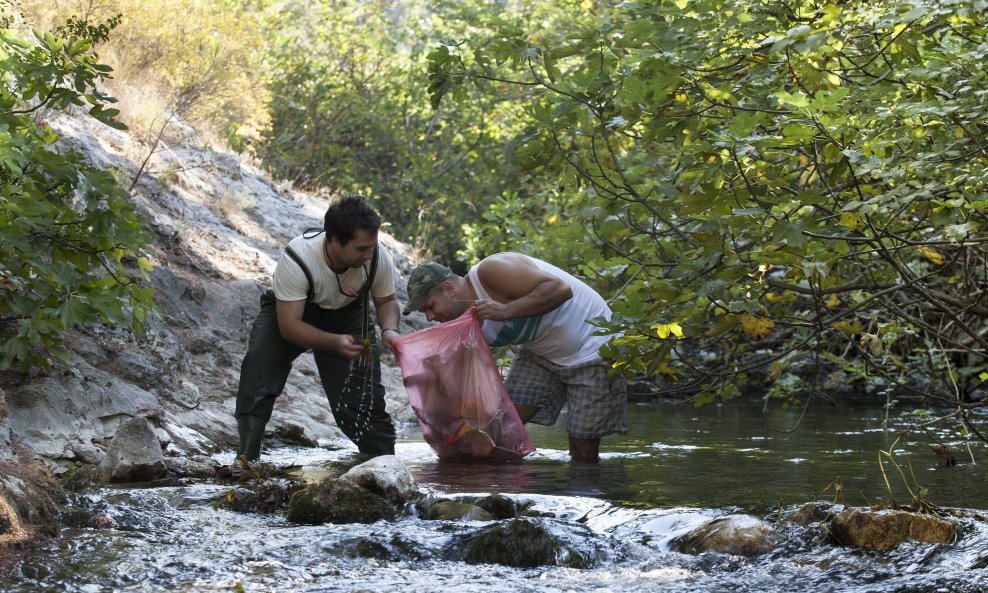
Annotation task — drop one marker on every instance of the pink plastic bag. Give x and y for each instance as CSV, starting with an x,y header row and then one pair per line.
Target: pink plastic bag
x,y
458,394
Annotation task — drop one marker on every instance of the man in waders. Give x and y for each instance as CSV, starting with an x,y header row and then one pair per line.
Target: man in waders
x,y
528,302
319,301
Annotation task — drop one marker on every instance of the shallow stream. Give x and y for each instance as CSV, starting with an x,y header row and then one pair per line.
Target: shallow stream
x,y
677,468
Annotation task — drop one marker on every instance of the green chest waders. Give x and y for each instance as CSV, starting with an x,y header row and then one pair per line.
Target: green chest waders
x,y
354,391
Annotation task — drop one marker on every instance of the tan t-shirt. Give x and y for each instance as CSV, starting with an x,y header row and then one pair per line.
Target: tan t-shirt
x,y
289,281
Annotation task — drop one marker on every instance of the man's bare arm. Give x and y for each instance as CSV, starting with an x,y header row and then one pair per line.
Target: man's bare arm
x,y
519,288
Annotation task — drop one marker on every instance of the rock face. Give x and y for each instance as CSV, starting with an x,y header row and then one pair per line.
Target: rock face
x,y
134,454
740,535
886,529
335,500
213,258
385,475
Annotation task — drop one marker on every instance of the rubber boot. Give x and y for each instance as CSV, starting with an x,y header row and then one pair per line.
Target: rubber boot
x,y
251,436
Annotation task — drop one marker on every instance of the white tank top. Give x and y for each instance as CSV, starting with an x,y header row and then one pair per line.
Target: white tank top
x,y
564,335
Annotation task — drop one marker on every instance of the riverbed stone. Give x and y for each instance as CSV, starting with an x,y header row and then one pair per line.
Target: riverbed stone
x,y
439,509
82,478
522,543
811,513
385,475
262,496
336,500
134,454
500,506
882,530
740,535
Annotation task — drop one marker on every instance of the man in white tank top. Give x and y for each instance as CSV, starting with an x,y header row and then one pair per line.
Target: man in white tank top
x,y
525,301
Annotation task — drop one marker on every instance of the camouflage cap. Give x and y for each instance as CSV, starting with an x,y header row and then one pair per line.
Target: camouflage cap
x,y
423,279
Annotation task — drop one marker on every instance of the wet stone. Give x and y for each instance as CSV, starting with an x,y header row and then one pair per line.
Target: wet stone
x,y
334,500
500,506
263,496
522,543
293,434
740,535
811,513
134,454
385,475
885,529
451,510
82,478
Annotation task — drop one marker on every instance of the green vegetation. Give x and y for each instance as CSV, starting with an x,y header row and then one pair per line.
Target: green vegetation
x,y
782,197
66,228
796,187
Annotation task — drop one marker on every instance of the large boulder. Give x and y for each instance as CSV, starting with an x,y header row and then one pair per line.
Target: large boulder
x,y
61,416
385,475
883,530
134,454
335,500
740,535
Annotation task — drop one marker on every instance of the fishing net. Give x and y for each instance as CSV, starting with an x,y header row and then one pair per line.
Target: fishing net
x,y
458,394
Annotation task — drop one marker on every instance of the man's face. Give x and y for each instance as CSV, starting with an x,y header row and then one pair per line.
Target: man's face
x,y
442,304
356,252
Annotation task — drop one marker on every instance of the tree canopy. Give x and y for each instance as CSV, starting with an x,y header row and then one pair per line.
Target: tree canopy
x,y
788,197
765,185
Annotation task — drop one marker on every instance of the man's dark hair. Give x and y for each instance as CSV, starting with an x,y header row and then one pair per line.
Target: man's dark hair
x,y
347,214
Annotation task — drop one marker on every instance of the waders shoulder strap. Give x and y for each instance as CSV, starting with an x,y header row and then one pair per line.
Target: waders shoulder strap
x,y
310,293
366,303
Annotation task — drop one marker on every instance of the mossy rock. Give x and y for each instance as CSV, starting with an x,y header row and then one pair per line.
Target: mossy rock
x,y
522,543
500,506
438,509
261,496
334,500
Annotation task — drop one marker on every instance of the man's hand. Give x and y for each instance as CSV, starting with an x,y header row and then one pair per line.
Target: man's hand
x,y
388,338
349,347
492,310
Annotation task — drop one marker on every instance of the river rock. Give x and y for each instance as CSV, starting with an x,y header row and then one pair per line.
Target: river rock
x,y
740,535
26,506
82,478
335,500
522,543
263,496
438,509
885,529
499,505
811,513
134,454
385,475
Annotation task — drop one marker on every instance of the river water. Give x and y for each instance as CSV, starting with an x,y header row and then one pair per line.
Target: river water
x,y
677,468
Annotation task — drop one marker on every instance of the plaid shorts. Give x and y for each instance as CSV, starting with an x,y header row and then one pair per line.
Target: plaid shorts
x,y
597,405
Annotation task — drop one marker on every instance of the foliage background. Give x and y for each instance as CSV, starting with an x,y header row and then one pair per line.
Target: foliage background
x,y
786,198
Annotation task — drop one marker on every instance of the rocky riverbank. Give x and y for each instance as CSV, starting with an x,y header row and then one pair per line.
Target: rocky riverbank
x,y
218,226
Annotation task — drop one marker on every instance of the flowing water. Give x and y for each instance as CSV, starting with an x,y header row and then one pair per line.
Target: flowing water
x,y
677,468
